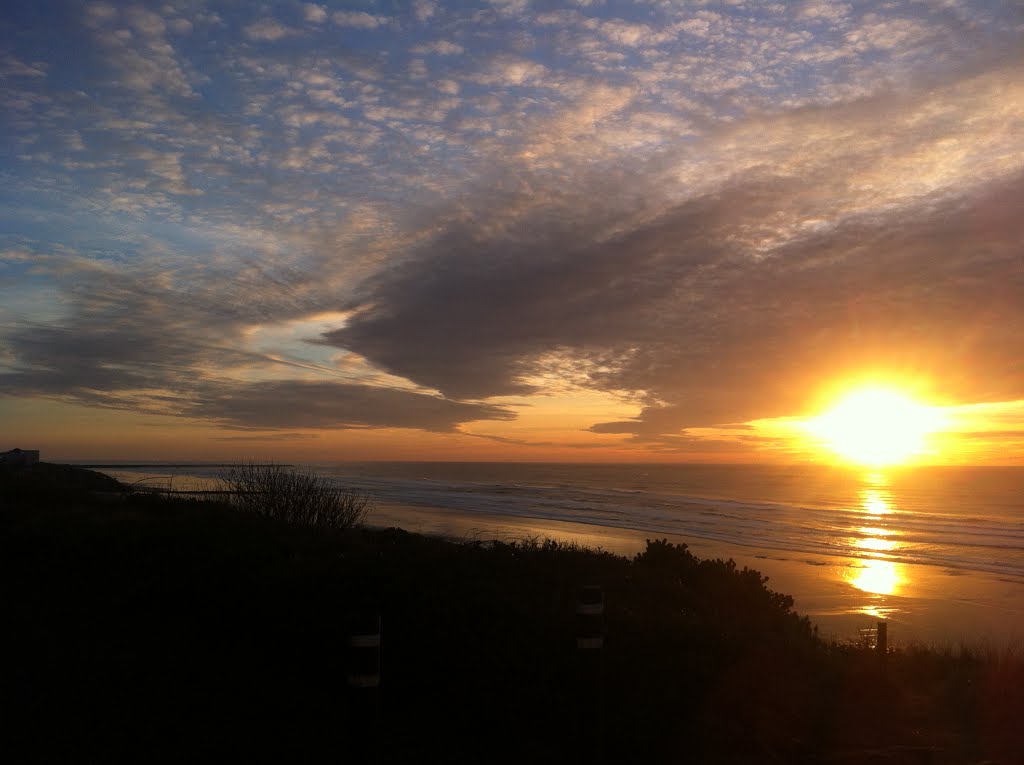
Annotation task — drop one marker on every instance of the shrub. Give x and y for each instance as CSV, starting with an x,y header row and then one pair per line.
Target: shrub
x,y
294,496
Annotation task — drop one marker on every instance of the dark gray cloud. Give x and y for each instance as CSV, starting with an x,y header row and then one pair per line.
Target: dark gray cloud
x,y
470,313
121,331
142,341
709,333
275,436
324,404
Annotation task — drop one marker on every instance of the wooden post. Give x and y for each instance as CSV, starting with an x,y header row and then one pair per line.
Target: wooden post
x,y
590,617
590,628
364,664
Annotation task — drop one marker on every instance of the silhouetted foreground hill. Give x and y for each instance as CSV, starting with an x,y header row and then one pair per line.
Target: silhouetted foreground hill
x,y
154,629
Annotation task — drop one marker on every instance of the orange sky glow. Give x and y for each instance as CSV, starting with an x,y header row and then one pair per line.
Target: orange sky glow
x,y
547,429
586,232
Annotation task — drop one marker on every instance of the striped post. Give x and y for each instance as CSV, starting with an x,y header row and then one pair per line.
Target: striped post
x,y
364,653
590,629
590,617
363,703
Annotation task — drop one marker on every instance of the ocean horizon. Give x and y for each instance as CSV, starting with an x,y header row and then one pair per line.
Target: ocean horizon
x,y
938,552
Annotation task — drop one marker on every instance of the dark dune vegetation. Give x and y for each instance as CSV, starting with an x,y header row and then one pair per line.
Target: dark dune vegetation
x,y
149,628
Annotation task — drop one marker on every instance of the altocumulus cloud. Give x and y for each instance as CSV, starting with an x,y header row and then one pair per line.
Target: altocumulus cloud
x,y
695,206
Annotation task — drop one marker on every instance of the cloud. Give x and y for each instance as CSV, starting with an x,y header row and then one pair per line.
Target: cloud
x,y
129,343
670,308
511,8
449,87
268,29
140,58
825,10
313,13
319,404
274,436
99,13
726,305
10,66
180,26
631,35
508,70
424,9
145,22
358,19
440,48
697,207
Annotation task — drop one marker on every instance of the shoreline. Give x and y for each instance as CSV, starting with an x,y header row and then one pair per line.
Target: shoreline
x,y
945,607
842,595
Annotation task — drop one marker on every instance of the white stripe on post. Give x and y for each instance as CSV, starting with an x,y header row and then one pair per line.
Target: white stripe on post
x,y
590,617
365,641
364,662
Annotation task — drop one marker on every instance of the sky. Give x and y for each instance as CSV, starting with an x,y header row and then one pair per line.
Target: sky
x,y
507,229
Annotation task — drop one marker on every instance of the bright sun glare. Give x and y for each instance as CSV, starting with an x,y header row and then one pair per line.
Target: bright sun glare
x,y
876,427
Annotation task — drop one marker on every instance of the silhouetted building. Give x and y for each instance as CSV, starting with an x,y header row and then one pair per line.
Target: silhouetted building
x,y
19,457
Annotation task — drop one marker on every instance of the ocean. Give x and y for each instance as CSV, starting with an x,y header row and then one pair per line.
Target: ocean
x,y
938,552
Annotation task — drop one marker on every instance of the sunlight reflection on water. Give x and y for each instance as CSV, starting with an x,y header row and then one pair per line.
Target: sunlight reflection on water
x,y
877,576
875,501
873,574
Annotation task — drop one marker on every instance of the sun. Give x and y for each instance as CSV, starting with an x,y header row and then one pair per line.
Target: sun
x,y
876,427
